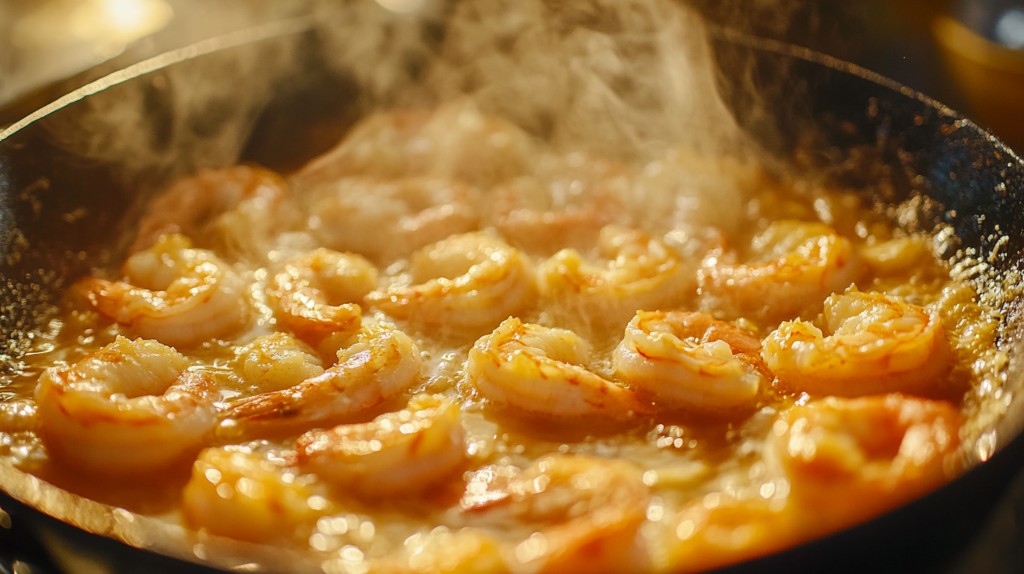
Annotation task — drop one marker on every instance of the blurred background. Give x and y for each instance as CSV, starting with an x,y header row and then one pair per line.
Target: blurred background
x,y
968,54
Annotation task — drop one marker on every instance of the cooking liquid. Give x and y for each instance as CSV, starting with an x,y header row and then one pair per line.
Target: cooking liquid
x,y
685,458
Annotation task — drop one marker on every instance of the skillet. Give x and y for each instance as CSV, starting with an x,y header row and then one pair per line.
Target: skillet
x,y
74,175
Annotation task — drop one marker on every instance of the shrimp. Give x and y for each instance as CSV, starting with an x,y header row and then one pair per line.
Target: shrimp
x,y
277,362
584,512
878,452
130,408
875,344
640,272
172,293
316,293
468,281
565,204
691,360
237,493
397,454
241,204
355,213
378,362
456,141
544,372
700,538
794,266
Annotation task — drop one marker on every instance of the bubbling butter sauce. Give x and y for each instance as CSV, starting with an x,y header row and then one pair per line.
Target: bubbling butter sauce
x,y
503,479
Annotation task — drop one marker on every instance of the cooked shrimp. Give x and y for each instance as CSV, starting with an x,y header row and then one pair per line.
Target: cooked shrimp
x,y
875,344
378,363
277,362
544,371
691,360
878,452
564,204
700,538
237,493
129,408
456,141
397,454
316,293
355,213
172,293
794,266
586,511
640,272
241,204
465,281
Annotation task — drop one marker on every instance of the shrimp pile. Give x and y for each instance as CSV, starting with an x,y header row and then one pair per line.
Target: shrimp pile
x,y
446,346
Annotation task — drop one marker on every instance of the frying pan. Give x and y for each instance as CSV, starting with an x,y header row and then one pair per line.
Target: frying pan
x,y
74,175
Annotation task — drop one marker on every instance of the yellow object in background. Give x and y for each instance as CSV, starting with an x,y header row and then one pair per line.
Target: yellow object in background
x,y
990,75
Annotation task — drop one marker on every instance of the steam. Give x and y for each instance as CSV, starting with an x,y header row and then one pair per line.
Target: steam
x,y
622,78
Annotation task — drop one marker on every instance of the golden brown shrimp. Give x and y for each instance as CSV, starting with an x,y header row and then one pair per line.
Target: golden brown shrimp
x,y
237,493
640,272
588,511
564,204
456,141
544,371
398,454
691,360
355,213
278,361
377,363
172,293
700,538
130,408
878,452
467,281
242,204
317,293
794,266
875,344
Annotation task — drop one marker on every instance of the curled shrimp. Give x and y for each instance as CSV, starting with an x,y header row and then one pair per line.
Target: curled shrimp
x,y
706,536
244,495
584,512
465,281
377,363
878,452
240,204
355,213
172,293
544,371
316,293
455,141
564,204
691,360
793,267
639,272
132,407
275,362
875,344
399,453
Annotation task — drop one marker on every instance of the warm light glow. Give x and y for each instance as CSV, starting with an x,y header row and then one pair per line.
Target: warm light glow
x,y
403,6
108,25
